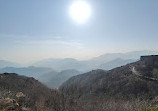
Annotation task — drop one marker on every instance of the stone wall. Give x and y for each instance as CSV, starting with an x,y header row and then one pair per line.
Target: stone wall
x,y
151,60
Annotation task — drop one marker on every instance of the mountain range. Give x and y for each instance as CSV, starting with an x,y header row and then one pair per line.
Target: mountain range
x,y
53,72
128,86
49,77
59,78
132,87
113,59
4,63
30,71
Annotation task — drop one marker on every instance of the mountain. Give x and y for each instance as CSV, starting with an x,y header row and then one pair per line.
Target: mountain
x,y
132,87
129,83
61,64
20,93
115,63
134,55
27,71
45,77
49,77
109,60
58,79
118,82
4,63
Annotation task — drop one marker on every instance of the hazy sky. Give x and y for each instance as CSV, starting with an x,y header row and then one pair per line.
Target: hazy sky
x,y
38,29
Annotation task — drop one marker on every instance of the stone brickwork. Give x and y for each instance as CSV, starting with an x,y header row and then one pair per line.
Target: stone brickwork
x,y
151,60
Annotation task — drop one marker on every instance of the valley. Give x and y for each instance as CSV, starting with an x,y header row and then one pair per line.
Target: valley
x,y
122,89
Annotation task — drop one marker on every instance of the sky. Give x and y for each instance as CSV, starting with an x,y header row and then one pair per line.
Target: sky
x,y
33,30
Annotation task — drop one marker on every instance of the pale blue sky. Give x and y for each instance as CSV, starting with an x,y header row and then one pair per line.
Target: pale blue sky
x,y
38,29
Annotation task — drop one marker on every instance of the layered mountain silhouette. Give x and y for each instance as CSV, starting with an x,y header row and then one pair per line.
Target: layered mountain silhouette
x,y
62,64
4,63
48,76
58,79
30,71
115,63
122,82
53,72
132,87
106,61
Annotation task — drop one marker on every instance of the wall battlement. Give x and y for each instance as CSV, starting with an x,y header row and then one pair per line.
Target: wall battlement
x,y
151,60
149,57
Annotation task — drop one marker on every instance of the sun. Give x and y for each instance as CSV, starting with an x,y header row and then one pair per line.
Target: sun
x,y
80,11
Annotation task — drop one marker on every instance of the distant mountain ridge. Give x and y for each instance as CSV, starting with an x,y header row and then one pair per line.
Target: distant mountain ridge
x,y
115,63
62,64
49,71
30,71
48,76
57,80
4,63
94,63
85,65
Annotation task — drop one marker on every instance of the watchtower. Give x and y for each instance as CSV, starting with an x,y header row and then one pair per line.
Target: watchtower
x,y
150,60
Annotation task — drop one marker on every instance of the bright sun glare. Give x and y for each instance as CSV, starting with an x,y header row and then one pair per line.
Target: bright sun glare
x,y
80,11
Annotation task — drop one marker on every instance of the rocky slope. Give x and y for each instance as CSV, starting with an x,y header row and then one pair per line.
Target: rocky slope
x,y
117,83
119,89
21,93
